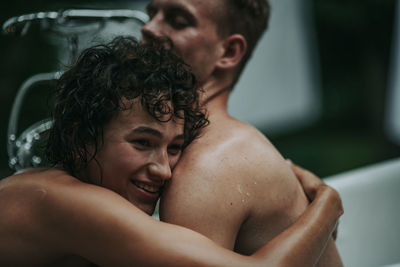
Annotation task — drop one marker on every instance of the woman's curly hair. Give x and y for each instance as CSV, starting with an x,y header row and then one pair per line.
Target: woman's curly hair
x,y
90,94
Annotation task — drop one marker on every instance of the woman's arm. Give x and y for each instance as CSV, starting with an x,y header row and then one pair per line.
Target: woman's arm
x,y
303,243
104,228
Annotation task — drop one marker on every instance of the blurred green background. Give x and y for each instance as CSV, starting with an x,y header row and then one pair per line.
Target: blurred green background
x,y
354,40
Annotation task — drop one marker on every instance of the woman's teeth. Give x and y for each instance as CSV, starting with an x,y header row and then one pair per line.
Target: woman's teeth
x,y
146,187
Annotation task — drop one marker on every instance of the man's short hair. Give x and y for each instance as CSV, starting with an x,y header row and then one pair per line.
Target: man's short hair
x,y
246,17
90,94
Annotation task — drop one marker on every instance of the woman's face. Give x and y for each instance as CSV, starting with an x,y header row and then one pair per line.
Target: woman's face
x,y
138,155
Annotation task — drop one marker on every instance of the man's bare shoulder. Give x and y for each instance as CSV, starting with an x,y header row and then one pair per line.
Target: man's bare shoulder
x,y
227,176
237,152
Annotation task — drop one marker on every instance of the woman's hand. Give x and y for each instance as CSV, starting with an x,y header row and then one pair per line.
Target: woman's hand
x,y
313,187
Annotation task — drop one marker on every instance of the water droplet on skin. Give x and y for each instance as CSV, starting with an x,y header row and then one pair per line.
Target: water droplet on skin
x,y
239,188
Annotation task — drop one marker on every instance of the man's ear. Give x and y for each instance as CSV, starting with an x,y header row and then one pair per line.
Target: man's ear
x,y
235,47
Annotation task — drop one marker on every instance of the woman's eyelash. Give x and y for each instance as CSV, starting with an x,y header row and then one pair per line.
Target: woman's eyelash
x,y
175,149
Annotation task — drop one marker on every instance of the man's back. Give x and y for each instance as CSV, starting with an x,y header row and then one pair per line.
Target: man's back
x,y
233,186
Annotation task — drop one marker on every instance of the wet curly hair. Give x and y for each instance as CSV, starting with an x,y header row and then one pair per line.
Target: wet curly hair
x,y
90,94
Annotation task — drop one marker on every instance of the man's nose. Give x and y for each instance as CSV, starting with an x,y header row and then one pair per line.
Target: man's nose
x,y
152,29
159,168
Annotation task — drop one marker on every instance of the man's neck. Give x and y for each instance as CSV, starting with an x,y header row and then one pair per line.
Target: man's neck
x,y
215,95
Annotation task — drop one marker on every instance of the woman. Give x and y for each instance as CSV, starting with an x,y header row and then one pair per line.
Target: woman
x,y
123,114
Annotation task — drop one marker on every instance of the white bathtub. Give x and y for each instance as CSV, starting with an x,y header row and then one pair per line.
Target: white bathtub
x,y
369,230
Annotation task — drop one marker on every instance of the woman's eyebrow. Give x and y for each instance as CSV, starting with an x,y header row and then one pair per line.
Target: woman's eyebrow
x,y
147,130
154,132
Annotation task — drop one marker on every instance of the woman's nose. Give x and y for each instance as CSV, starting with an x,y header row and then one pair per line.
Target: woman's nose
x,y
160,168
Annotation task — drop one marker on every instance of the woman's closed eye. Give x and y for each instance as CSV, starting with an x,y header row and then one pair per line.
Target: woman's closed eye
x,y
175,149
141,143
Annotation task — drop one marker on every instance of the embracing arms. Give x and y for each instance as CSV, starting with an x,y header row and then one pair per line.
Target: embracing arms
x,y
106,229
74,218
303,243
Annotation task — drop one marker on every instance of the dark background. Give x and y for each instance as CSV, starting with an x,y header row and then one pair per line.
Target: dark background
x,y
354,40
355,46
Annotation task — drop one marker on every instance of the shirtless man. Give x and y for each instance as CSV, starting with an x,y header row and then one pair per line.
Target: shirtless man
x,y
231,184
122,114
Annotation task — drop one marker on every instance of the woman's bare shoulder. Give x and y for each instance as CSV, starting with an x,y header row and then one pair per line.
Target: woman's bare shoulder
x,y
38,208
24,195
